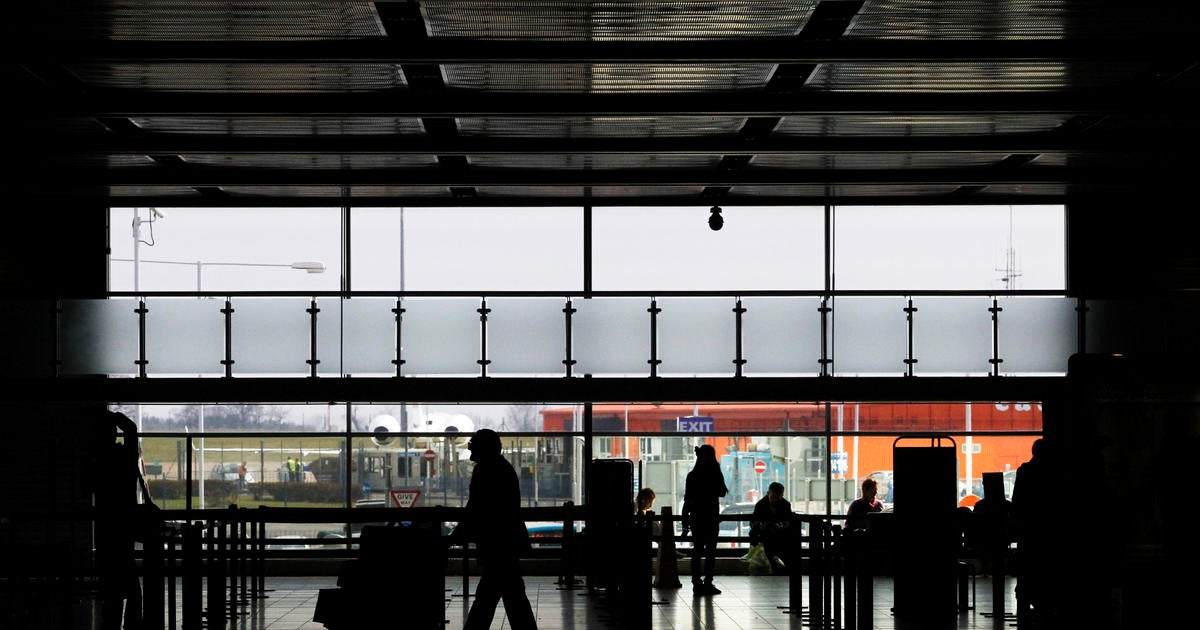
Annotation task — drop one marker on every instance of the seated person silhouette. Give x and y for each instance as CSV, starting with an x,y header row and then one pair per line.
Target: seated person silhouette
x,y
769,525
856,515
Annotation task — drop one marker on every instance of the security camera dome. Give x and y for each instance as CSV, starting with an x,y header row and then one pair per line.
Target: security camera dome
x,y
383,427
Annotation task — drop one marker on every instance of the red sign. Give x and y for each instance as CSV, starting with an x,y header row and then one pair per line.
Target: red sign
x,y
760,466
405,498
429,455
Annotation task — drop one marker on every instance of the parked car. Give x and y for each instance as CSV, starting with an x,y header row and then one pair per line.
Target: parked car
x,y
228,471
729,529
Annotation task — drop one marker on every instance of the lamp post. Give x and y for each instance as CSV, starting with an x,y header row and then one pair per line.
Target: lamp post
x,y
308,266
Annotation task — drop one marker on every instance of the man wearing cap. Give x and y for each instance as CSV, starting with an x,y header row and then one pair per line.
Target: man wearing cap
x,y
493,522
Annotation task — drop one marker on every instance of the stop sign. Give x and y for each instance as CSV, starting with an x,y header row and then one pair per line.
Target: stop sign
x,y
429,455
760,466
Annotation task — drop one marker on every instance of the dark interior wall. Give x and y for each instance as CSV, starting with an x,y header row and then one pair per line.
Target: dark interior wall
x,y
1138,264
62,255
1132,246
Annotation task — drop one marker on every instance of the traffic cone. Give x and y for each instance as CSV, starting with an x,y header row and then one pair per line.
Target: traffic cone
x,y
668,565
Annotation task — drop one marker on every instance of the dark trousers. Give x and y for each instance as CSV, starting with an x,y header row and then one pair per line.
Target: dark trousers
x,y
500,579
704,556
120,592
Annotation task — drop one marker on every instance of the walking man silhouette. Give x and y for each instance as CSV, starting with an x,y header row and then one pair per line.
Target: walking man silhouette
x,y
493,522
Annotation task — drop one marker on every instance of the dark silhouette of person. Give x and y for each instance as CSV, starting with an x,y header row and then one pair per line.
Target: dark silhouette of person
x,y
856,514
1035,518
645,511
113,473
988,527
493,522
769,525
703,489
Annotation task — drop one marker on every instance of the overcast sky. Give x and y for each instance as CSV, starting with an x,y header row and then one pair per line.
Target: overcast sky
x,y
634,249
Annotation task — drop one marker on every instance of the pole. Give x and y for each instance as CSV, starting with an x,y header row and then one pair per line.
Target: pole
x,y
200,460
137,237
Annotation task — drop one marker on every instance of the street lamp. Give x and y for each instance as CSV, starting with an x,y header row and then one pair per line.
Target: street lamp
x,y
308,266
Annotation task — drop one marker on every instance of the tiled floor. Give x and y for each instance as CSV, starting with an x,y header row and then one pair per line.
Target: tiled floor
x,y
746,603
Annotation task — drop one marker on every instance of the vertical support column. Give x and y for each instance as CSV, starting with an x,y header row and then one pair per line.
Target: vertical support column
x,y
569,362
995,360
826,360
399,360
483,361
654,360
141,360
312,361
908,315
738,360
228,360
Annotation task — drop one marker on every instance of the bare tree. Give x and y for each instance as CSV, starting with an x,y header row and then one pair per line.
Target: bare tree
x,y
255,415
522,419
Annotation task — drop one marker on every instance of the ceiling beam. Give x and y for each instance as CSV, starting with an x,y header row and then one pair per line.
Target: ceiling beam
x,y
471,103
441,50
152,143
566,199
192,175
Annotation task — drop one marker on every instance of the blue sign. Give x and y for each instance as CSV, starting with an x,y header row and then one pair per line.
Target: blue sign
x,y
695,424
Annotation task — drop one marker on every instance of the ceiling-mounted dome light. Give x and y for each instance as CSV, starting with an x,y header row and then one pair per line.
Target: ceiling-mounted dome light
x,y
715,221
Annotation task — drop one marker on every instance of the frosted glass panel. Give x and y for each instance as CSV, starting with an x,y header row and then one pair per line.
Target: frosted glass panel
x,y
271,336
99,336
781,336
870,336
369,337
329,333
611,336
952,335
1036,335
526,336
185,336
697,336
441,336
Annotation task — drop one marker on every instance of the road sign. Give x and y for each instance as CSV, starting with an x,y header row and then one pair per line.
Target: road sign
x,y
760,467
695,424
429,455
405,497
838,462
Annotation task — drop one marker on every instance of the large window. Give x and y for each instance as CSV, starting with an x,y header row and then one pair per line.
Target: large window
x,y
362,452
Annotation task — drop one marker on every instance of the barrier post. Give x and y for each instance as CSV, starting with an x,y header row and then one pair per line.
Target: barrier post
x,y
192,579
668,563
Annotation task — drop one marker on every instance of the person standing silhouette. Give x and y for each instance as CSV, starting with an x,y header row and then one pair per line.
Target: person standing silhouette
x,y
1035,519
113,473
493,522
703,489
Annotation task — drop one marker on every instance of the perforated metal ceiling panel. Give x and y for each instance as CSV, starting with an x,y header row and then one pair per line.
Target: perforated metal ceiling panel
x,y
692,102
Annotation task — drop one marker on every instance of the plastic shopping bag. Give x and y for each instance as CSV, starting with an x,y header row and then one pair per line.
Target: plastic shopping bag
x,y
757,560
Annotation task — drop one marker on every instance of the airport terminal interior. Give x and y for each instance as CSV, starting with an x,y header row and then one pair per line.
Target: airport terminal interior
x,y
292,256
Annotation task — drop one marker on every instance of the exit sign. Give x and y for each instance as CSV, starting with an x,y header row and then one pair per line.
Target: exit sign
x,y
695,424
